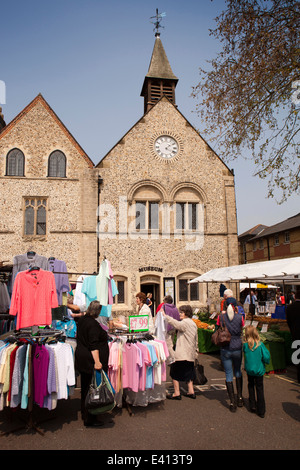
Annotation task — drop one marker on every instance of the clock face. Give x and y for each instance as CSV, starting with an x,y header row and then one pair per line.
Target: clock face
x,y
166,146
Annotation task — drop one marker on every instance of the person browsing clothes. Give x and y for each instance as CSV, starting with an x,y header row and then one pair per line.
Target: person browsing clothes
x,y
183,370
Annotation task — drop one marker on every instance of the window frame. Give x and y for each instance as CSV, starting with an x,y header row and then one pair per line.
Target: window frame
x,y
52,154
21,154
186,214
43,204
147,225
188,278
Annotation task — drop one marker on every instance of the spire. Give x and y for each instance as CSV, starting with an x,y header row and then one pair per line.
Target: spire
x,y
160,79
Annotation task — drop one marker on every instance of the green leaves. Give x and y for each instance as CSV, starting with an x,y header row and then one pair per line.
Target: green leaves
x,y
245,98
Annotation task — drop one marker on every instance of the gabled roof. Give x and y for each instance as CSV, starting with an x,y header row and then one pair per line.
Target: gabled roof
x,y
287,224
253,231
40,99
143,117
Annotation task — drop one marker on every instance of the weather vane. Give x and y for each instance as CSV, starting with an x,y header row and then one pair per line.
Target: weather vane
x,y
158,17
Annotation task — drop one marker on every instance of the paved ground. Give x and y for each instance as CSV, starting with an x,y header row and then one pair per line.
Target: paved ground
x,y
202,424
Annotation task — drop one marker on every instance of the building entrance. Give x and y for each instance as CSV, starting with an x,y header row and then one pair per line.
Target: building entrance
x,y
152,288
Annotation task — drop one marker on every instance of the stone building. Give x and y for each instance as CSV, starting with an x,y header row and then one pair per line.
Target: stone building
x,y
166,201
45,204
167,211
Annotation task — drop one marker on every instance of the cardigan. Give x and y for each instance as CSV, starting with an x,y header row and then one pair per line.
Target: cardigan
x,y
187,339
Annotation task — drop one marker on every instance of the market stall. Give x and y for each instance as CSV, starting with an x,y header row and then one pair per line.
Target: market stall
x,y
284,272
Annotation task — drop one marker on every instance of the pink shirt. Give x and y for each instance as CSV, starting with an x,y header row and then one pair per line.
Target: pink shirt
x,y
34,295
132,361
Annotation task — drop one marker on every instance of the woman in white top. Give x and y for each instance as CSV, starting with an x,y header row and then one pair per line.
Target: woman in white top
x,y
143,309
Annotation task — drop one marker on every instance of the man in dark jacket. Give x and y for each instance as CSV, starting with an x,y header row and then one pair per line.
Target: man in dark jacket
x,y
293,321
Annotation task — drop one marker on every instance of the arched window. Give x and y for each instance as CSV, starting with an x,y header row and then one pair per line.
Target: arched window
x,y
187,215
188,292
15,163
147,202
57,164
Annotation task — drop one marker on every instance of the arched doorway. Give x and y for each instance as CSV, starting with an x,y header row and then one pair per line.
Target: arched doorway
x,y
151,284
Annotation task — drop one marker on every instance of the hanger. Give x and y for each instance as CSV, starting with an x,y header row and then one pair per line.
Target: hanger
x,y
34,268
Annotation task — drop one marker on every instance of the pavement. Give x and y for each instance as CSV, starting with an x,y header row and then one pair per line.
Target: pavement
x,y
178,427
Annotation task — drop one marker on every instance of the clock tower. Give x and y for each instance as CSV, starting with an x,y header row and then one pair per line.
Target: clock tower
x,y
167,205
160,79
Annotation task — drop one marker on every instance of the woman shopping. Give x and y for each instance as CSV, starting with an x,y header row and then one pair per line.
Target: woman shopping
x,y
183,370
91,354
231,355
143,309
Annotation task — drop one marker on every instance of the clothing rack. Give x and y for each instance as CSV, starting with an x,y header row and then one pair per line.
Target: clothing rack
x,y
131,337
40,336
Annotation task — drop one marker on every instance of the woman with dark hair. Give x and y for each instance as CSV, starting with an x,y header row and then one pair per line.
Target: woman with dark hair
x,y
143,309
91,354
183,370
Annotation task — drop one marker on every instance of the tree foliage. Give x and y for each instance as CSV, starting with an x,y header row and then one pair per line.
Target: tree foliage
x,y
250,97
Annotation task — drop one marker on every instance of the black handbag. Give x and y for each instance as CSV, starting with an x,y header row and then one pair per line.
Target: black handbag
x,y
200,378
100,398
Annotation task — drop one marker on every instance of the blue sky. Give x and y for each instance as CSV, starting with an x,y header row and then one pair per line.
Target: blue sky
x,y
89,59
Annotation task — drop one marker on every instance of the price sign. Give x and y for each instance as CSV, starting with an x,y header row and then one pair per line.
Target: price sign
x,y
138,323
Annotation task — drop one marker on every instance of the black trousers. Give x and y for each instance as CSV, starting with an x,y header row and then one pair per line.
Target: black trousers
x,y
256,384
85,380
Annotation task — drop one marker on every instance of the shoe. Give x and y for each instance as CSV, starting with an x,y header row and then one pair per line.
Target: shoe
x,y
191,395
172,397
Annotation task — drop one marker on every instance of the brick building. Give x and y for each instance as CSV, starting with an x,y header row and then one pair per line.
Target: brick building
x,y
262,243
167,208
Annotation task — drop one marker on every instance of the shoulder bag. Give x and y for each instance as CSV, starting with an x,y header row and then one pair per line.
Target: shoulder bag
x,y
221,337
100,398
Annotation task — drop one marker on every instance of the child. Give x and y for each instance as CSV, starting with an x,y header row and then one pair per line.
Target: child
x,y
256,356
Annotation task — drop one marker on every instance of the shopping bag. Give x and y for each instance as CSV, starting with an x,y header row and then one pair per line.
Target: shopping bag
x,y
200,378
100,398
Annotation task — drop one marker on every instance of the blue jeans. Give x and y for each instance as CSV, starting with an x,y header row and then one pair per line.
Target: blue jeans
x,y
232,361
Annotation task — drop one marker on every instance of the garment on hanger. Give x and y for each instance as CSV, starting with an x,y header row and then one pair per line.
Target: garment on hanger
x,y
34,295
101,287
79,296
137,369
26,261
33,372
4,298
60,276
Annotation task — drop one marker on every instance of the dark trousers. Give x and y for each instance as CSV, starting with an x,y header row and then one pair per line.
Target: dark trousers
x,y
256,384
85,384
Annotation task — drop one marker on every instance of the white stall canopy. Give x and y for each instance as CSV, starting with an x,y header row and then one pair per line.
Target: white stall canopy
x,y
256,285
282,270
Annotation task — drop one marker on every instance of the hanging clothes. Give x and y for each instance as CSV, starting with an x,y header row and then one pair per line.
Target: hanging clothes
x,y
137,369
102,288
60,276
35,372
79,296
34,295
26,261
4,298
